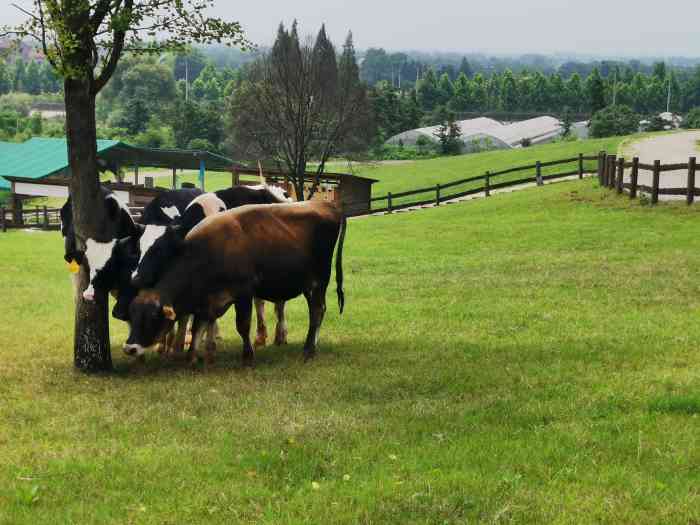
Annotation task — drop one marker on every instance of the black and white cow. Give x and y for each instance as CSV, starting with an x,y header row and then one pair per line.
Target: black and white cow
x,y
117,211
168,206
111,268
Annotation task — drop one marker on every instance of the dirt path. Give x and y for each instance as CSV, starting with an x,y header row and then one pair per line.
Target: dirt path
x,y
674,148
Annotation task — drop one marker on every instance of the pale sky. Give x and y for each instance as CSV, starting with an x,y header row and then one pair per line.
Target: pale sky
x,y
599,27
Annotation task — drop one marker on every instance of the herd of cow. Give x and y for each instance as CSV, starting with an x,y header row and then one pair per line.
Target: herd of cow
x,y
192,255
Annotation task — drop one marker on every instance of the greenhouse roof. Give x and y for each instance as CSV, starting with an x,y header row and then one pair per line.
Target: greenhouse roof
x,y
501,135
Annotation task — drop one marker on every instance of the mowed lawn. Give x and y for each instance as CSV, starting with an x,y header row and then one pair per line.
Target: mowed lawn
x,y
529,358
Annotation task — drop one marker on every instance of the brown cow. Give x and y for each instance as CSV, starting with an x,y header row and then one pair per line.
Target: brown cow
x,y
274,252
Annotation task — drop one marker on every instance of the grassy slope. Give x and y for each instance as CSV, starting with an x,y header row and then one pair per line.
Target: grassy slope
x,y
527,358
404,176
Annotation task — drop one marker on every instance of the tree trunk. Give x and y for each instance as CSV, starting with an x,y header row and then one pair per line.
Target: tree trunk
x,y
91,346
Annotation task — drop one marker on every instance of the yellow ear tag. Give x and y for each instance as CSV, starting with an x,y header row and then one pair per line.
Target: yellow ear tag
x,y
73,267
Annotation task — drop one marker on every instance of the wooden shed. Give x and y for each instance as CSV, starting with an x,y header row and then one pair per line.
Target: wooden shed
x,y
352,191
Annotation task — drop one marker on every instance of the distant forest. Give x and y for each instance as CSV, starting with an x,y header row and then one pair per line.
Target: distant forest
x,y
182,99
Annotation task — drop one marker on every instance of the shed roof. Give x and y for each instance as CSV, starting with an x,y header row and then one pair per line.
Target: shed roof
x,y
42,157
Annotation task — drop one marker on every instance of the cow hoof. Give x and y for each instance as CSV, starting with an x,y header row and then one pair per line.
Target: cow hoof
x,y
248,361
309,355
280,340
260,341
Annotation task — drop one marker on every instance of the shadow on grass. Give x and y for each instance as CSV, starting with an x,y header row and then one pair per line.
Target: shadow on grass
x,y
676,404
228,359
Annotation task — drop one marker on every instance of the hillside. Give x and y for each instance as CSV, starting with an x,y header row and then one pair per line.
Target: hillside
x,y
403,176
521,359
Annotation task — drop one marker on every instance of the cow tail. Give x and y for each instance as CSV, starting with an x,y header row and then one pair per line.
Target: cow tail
x,y
339,264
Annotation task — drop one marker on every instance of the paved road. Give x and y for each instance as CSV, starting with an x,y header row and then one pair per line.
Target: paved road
x,y
669,149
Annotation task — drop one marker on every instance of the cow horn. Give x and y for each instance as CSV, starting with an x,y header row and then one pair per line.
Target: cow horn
x,y
260,172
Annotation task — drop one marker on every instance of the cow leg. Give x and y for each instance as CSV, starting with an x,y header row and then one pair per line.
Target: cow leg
x,y
261,337
199,328
211,342
316,299
281,330
179,343
244,311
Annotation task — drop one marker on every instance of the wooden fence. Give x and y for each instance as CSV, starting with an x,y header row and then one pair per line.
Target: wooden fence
x,y
40,217
611,174
538,173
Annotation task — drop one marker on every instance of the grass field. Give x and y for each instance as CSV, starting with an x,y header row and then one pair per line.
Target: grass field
x,y
530,358
404,176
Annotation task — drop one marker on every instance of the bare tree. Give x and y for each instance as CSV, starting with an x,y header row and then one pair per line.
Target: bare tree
x,y
84,41
301,104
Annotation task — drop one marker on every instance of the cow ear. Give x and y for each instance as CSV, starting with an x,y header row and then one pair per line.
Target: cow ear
x,y
169,313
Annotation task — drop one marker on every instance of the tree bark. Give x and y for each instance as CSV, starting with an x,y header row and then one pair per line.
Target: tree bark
x,y
91,345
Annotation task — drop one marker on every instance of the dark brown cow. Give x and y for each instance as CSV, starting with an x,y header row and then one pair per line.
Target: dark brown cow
x,y
274,252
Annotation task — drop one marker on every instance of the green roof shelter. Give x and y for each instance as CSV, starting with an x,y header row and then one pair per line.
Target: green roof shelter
x,y
26,167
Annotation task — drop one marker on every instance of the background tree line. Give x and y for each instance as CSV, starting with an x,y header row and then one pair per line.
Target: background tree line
x,y
532,93
180,99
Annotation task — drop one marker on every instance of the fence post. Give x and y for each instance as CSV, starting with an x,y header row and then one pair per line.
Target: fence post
x,y
601,166
580,165
437,195
36,215
3,219
655,182
620,175
606,168
46,218
634,177
611,171
538,173
692,163
487,184
388,198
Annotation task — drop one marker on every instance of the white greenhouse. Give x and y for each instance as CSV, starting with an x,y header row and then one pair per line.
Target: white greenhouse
x,y
484,133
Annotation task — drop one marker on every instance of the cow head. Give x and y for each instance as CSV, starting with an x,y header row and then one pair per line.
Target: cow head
x,y
157,246
110,263
150,320
71,252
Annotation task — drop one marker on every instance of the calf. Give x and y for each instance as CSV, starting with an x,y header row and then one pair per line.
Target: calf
x,y
275,253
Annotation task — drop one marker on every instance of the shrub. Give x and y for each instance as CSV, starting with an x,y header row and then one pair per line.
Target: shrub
x,y
656,123
613,121
201,144
692,120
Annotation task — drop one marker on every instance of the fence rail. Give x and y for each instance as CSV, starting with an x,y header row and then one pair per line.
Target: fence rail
x,y
611,174
486,183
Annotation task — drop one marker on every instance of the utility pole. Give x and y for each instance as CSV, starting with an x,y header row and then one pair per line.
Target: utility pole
x,y
668,100
187,80
615,89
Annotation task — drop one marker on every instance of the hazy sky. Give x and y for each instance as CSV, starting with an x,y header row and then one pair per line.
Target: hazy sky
x,y
610,27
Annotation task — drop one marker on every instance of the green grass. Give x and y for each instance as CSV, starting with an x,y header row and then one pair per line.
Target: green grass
x,y
530,358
